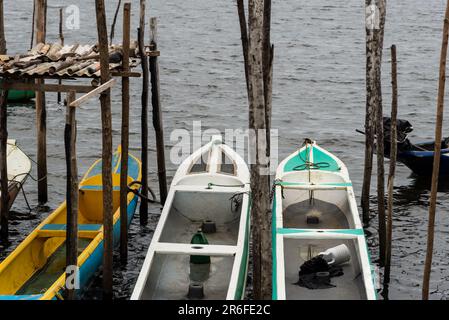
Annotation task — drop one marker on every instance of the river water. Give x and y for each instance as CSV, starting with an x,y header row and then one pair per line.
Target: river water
x,y
319,92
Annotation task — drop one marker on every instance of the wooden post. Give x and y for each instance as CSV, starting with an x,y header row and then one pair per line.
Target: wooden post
x,y
393,155
375,21
244,37
61,39
111,37
2,30
380,137
143,211
3,168
71,193
106,121
267,57
436,159
125,137
41,114
157,114
260,213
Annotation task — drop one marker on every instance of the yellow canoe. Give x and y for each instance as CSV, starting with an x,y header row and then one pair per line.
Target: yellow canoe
x,y
35,270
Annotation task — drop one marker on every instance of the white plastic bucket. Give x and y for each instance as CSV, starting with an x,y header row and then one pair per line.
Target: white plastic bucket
x,y
337,255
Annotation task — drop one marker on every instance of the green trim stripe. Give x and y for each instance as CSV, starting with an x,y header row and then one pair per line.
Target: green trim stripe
x,y
356,232
239,292
336,184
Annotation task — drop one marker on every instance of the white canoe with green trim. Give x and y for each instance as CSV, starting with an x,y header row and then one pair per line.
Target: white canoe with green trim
x,y
314,209
213,184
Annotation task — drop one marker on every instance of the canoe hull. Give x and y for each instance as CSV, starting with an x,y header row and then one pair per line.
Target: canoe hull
x,y
212,192
421,162
38,263
314,209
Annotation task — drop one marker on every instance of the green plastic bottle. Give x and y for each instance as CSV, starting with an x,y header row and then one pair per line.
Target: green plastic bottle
x,y
199,238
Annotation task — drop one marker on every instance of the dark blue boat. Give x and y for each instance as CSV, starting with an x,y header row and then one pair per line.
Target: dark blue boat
x,y
418,157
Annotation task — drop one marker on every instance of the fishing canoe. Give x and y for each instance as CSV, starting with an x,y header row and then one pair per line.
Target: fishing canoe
x,y
19,167
199,249
314,210
20,95
35,270
419,158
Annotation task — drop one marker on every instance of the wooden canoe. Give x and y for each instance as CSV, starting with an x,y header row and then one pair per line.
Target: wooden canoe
x,y
19,167
314,209
211,188
36,268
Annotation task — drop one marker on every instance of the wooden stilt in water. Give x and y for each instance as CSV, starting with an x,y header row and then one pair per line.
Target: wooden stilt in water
x,y
125,137
260,212
267,57
244,37
2,30
3,148
4,196
143,211
106,121
111,37
72,196
380,135
157,114
61,40
436,159
392,170
41,114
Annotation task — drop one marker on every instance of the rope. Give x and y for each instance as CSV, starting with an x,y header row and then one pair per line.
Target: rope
x,y
140,195
308,165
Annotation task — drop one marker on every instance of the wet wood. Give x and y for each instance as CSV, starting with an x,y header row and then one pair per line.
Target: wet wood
x,y
71,193
436,159
106,122
244,37
267,57
125,138
4,197
41,113
392,169
111,37
260,212
143,210
2,30
61,40
380,137
157,114
46,87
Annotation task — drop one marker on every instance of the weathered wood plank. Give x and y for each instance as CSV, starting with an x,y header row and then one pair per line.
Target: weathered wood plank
x,y
98,90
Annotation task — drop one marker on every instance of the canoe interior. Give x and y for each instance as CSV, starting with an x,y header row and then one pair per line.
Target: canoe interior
x,y
171,275
52,270
349,286
190,208
331,207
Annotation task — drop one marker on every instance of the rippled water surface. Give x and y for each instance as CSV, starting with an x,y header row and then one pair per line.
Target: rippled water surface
x,y
319,79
